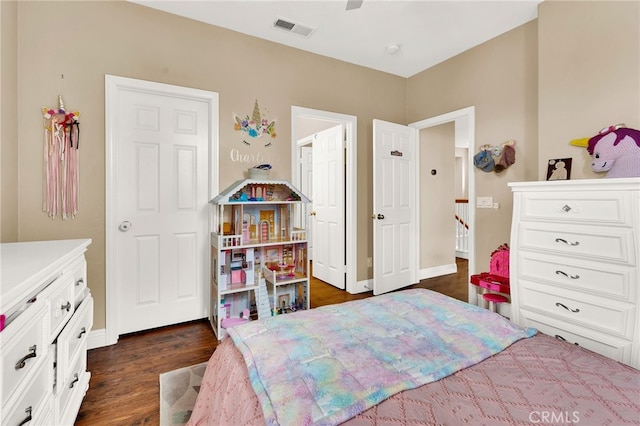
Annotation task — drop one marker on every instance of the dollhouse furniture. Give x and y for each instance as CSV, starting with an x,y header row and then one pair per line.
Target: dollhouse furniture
x,y
259,258
48,312
494,284
575,259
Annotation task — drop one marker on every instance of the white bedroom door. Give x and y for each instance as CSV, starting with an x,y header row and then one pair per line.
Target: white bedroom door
x,y
162,174
328,206
306,186
394,206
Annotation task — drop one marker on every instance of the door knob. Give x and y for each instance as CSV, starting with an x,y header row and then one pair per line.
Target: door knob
x,y
125,226
312,213
379,216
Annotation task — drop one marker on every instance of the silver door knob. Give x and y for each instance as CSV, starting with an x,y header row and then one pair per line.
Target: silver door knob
x,y
125,226
378,216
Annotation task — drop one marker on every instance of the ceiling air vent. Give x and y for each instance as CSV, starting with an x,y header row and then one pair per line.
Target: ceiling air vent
x,y
293,27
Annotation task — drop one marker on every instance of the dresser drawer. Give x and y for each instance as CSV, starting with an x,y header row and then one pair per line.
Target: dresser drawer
x,y
605,279
596,243
60,294
78,272
24,347
597,313
590,208
611,347
73,339
69,394
34,401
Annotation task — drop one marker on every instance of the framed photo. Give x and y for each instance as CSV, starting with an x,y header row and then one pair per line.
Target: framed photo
x,y
559,169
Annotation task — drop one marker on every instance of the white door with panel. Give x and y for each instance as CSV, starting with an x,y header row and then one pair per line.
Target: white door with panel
x,y
329,206
394,206
162,186
306,186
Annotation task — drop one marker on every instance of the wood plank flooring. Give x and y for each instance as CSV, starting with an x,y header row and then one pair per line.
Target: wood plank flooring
x,y
124,387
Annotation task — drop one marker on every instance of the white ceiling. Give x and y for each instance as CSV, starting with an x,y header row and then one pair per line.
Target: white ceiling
x,y
427,32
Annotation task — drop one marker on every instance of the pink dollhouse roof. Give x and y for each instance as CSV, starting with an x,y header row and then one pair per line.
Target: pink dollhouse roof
x,y
281,188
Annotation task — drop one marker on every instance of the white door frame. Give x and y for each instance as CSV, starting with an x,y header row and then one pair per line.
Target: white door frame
x,y
113,84
464,120
350,123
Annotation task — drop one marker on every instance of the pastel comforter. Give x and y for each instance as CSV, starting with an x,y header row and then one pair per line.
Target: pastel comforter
x,y
422,337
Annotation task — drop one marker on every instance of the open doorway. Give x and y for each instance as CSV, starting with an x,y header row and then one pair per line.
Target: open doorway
x,y
305,123
464,133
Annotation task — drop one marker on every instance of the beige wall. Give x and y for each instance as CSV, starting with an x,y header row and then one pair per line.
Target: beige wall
x,y
499,78
8,119
462,167
437,196
589,77
125,39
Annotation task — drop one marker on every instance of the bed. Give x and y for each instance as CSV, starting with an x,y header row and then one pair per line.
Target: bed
x,y
408,357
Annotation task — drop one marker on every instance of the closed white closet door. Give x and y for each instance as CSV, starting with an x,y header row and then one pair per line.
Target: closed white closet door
x,y
162,189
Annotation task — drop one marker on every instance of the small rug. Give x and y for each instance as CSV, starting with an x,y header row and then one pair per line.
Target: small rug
x,y
178,392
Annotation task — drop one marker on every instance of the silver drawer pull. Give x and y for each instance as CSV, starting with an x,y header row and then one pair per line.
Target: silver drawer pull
x,y
559,337
80,282
23,362
573,277
74,381
67,306
566,208
82,331
568,309
561,240
28,418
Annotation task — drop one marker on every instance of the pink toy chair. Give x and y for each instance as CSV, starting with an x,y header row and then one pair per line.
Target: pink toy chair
x,y
496,280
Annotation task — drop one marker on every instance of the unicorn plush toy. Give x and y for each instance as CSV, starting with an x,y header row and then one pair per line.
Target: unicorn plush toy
x,y
615,150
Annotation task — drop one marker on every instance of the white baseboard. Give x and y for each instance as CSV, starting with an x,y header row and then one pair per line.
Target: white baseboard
x,y
98,339
361,287
504,309
367,285
437,271
462,254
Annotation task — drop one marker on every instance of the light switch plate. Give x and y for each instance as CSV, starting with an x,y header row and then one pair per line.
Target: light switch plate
x,y
484,202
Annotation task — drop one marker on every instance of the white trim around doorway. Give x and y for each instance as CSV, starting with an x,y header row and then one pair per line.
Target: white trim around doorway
x,y
465,122
350,123
113,84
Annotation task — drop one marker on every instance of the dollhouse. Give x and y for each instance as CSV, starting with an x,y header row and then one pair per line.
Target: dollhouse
x,y
259,263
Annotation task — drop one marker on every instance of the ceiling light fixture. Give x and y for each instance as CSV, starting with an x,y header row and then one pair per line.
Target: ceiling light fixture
x,y
392,49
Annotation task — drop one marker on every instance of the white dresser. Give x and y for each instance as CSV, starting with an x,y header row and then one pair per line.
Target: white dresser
x,y
574,268
48,313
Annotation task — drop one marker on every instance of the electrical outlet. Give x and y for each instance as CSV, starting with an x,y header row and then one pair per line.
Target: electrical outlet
x,y
484,202
370,262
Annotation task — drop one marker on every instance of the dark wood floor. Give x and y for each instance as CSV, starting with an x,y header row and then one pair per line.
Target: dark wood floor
x,y
124,387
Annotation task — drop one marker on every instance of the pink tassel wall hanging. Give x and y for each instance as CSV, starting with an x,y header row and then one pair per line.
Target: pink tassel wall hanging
x,y
60,178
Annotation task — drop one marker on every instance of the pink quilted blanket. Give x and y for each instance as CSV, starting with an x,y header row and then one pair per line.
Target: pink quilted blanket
x,y
534,381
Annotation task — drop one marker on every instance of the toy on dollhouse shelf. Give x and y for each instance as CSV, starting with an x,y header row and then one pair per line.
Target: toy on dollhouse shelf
x,y
258,251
